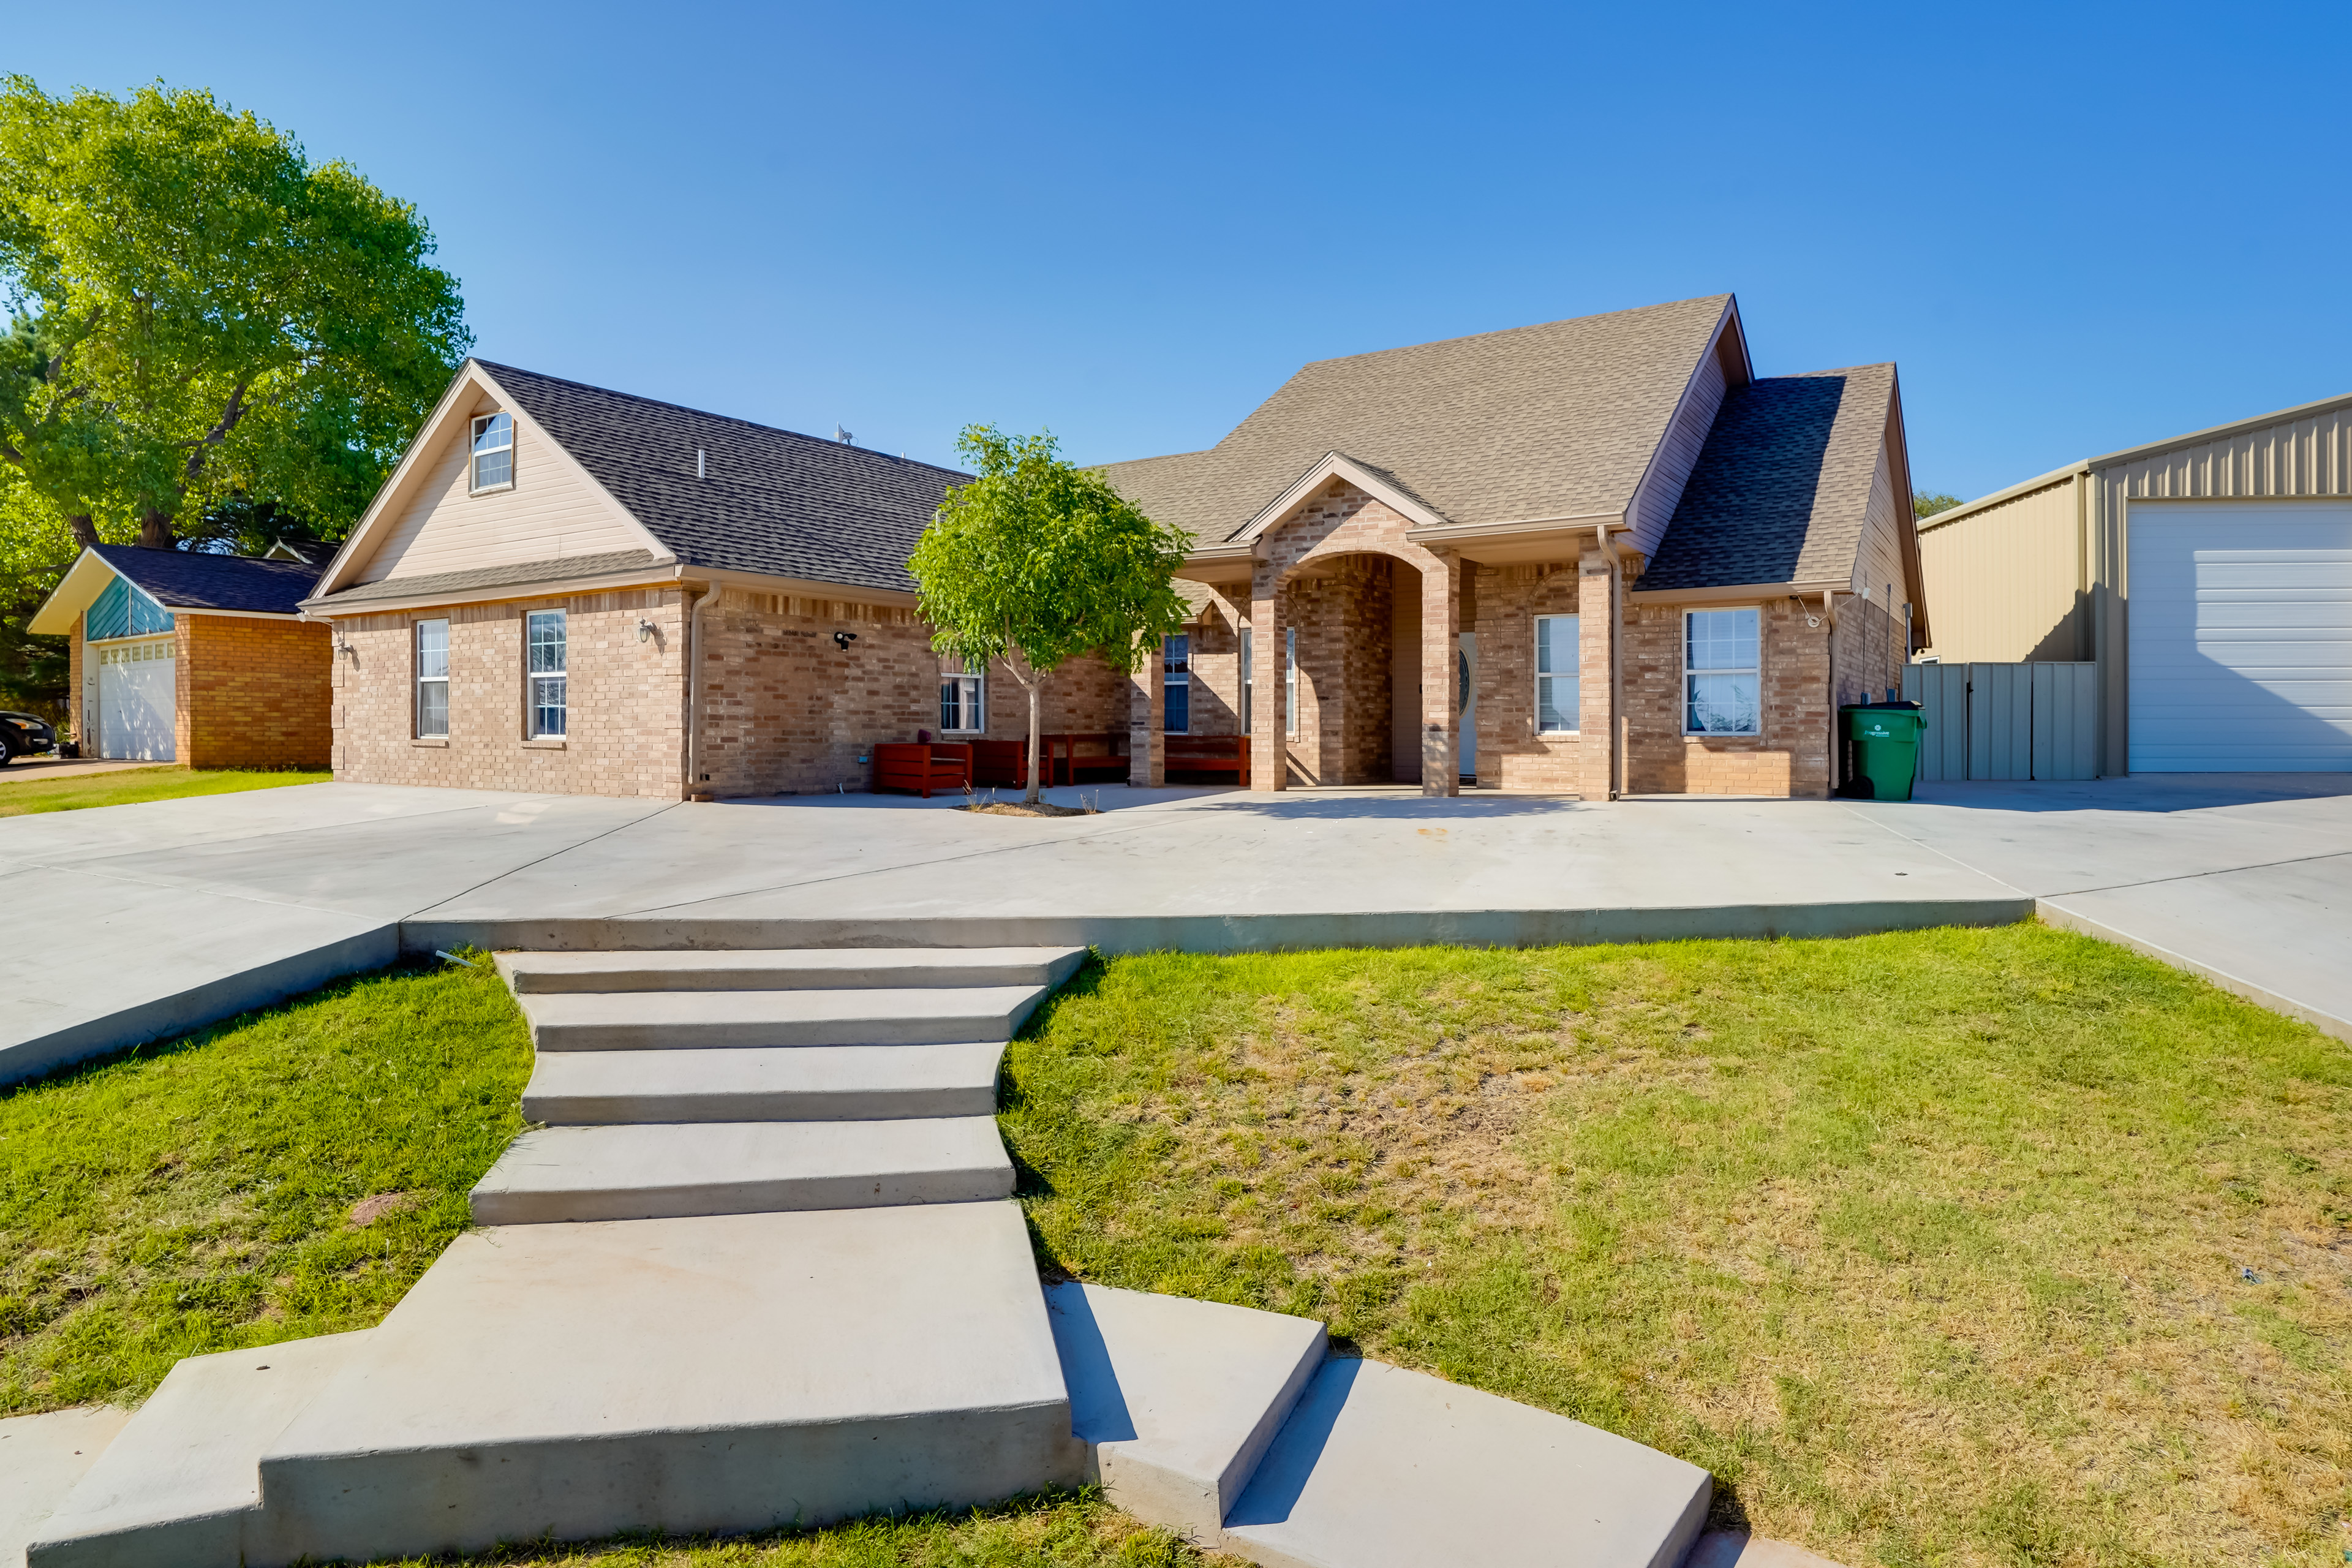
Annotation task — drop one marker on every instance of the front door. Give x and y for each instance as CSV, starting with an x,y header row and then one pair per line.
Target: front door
x,y
1466,699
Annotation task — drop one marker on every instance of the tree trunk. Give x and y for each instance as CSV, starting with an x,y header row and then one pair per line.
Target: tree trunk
x,y
155,532
1032,797
85,531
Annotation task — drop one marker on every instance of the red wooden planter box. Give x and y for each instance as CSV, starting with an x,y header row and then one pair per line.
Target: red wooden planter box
x,y
915,769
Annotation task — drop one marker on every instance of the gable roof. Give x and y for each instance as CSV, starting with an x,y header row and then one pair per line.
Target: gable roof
x,y
1781,489
772,501
177,580
191,580
1548,421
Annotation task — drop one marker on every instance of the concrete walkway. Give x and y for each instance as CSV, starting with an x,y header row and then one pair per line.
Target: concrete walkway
x,y
2245,878
137,922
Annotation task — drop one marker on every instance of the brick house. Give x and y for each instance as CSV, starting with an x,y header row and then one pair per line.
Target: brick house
x,y
521,605
1639,567
181,656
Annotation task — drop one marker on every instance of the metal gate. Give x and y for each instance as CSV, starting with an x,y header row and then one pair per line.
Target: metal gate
x,y
2037,720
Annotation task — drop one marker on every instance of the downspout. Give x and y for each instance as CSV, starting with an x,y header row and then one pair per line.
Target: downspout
x,y
694,690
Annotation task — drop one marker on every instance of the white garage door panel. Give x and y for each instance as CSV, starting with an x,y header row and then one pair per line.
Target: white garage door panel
x,y
2241,637
136,700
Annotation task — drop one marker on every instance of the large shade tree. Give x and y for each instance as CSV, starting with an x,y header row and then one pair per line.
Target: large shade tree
x,y
1037,561
201,312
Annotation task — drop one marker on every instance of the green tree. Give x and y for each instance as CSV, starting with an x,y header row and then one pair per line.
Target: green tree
x,y
201,311
1927,503
1036,561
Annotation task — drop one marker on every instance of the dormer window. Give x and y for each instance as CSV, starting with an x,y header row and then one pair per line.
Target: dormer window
x,y
493,453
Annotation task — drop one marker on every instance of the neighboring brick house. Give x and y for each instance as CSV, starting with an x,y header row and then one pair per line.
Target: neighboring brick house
x,y
1641,569
183,656
522,604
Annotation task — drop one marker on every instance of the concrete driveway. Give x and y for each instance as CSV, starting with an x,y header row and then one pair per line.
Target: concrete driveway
x,y
139,921
2243,877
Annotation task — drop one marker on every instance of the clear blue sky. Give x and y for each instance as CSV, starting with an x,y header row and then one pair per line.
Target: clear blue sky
x,y
2074,228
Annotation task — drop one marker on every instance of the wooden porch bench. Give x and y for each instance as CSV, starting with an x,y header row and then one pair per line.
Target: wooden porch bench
x,y
1217,755
915,768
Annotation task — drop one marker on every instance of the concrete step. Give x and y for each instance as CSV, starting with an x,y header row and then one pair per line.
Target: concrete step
x,y
178,1487
790,969
702,1020
1177,1400
1381,1468
798,1083
41,1458
668,1171
712,1375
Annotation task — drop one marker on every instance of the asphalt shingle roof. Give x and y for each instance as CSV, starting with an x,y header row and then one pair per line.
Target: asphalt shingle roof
x,y
1781,489
1541,421
774,502
191,580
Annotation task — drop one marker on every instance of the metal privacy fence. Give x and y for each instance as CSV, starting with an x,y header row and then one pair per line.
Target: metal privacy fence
x,y
2037,720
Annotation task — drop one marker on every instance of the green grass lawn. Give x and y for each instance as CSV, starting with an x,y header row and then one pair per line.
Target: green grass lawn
x,y
128,786
1933,1246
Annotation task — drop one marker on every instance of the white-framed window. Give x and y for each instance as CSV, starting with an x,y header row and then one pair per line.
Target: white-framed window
x,y
1176,685
1557,691
963,704
550,676
1290,681
492,458
1722,672
432,659
1249,674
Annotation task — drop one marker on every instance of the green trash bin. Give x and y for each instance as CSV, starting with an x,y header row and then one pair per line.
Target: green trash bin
x,y
1885,740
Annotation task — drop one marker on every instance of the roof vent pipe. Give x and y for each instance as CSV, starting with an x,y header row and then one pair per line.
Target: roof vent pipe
x,y
701,468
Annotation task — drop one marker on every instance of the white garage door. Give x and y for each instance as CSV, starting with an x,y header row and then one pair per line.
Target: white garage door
x,y
136,700
2241,637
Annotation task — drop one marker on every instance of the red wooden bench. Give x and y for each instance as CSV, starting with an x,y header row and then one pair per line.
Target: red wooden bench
x,y
919,769
1074,758
1217,756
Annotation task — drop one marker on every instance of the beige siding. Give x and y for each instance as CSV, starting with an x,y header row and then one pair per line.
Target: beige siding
x,y
554,510
2006,582
1878,564
1662,490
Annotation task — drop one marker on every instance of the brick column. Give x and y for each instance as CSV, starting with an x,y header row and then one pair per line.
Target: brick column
x,y
1441,680
1596,638
1147,741
1269,758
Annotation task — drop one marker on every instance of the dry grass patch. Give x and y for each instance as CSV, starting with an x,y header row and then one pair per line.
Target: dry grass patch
x,y
1934,1248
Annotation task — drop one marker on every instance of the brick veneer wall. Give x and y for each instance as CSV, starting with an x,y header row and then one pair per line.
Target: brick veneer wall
x,y
1867,657
627,718
81,717
1791,756
253,693
787,711
1511,754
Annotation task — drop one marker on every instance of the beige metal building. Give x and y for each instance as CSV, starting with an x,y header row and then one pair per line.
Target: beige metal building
x,y
2210,577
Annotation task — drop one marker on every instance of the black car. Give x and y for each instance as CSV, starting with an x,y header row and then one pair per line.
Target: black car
x,y
24,736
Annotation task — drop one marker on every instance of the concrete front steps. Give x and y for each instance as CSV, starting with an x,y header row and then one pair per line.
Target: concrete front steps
x,y
760,1269
677,1084
1239,1430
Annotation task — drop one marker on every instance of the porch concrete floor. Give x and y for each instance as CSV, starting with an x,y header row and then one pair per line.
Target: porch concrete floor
x,y
152,916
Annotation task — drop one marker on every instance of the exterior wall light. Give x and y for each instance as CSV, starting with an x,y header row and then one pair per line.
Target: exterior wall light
x,y
644,630
843,639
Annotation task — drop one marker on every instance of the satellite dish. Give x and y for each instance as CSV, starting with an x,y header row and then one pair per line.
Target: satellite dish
x,y
842,435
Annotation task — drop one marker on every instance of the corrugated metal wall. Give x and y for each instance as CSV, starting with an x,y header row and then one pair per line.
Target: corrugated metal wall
x,y
2306,457
2007,583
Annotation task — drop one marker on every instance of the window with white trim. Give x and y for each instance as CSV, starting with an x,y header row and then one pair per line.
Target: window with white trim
x,y
550,676
1290,681
431,660
1557,691
1176,685
492,453
963,704
1248,675
1722,672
